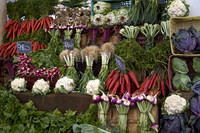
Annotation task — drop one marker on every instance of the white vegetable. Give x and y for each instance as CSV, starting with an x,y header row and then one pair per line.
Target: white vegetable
x,y
102,7
98,20
41,87
178,9
122,16
93,86
66,83
18,84
174,104
111,19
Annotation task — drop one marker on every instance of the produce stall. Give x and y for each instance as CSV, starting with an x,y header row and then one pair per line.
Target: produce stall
x,y
106,66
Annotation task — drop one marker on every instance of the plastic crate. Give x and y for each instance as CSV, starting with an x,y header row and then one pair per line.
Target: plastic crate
x,y
178,23
116,4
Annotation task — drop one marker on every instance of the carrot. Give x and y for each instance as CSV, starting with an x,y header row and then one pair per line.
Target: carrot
x,y
162,87
14,51
117,85
152,79
45,24
122,89
38,25
32,25
143,84
128,84
154,83
10,21
9,33
112,73
115,78
133,78
8,50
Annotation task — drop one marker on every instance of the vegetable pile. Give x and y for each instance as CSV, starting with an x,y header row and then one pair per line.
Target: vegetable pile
x,y
119,83
187,41
14,28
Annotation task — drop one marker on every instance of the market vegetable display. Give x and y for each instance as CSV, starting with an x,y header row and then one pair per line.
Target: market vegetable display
x,y
179,66
186,41
178,8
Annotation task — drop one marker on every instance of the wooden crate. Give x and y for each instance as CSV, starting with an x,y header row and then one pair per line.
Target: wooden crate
x,y
133,117
178,23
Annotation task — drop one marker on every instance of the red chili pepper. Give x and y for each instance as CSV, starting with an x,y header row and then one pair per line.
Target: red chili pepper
x,y
162,88
128,84
133,78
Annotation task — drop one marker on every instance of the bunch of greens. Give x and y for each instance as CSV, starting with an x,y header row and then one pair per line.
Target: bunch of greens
x,y
30,8
77,38
144,11
130,32
49,57
150,31
138,58
16,117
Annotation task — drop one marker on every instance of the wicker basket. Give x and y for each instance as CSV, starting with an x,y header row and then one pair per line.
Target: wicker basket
x,y
116,4
178,23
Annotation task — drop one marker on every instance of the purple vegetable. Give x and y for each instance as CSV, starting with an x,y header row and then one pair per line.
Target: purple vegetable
x,y
196,88
195,105
184,41
11,70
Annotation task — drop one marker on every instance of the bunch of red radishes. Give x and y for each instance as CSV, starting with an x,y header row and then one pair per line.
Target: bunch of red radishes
x,y
25,68
119,83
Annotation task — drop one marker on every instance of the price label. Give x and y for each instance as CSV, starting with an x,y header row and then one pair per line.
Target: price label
x,y
69,44
120,63
24,47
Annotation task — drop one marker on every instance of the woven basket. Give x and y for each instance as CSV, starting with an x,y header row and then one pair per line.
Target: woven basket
x,y
116,4
178,23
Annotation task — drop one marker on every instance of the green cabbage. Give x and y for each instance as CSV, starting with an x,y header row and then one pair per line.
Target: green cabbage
x,y
181,81
179,66
196,78
102,8
196,64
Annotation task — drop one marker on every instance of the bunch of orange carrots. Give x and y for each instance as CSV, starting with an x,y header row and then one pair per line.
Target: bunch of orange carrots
x,y
14,28
121,83
10,49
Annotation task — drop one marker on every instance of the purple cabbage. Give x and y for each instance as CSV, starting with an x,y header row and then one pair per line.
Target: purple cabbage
x,y
174,124
184,41
196,88
195,105
194,123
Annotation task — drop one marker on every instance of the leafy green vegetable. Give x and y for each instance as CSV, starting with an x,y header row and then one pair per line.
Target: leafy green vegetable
x,y
30,8
196,64
196,78
138,58
86,128
49,57
18,118
179,66
181,82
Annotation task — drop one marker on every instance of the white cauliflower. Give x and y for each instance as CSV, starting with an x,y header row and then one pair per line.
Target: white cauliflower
x,y
111,19
93,86
98,20
102,7
41,87
174,104
177,9
122,16
18,84
66,83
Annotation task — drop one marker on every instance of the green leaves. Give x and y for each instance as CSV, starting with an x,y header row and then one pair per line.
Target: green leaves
x,y
25,118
